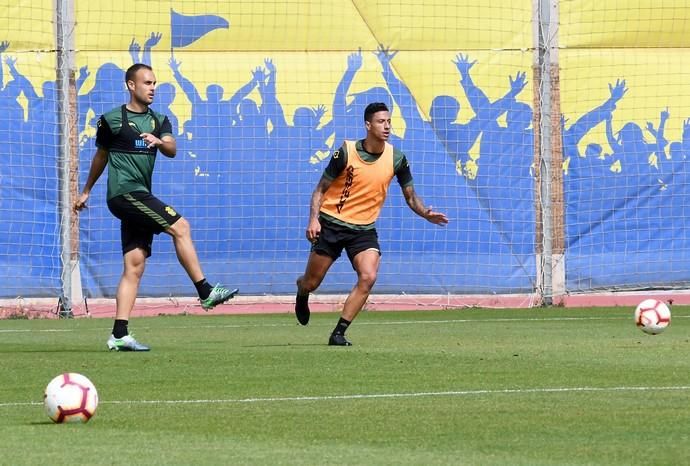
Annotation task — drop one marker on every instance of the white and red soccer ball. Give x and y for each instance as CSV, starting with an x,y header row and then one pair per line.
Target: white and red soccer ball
x,y
652,316
70,397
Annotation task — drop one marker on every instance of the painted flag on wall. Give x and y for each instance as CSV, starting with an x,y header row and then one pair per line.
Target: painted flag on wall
x,y
186,29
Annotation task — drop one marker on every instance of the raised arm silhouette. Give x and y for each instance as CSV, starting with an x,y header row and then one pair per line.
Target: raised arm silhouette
x,y
459,138
575,132
303,139
135,48
347,116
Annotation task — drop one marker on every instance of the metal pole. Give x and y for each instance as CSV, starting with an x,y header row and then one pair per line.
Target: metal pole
x,y
550,253
545,132
66,92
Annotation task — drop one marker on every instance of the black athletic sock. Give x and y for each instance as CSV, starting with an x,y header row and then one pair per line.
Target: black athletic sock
x,y
302,300
203,288
341,327
120,328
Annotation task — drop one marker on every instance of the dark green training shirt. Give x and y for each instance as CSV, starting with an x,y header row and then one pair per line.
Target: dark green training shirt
x,y
130,162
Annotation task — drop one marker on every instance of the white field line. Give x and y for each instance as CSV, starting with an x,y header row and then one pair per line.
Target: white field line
x,y
359,322
458,393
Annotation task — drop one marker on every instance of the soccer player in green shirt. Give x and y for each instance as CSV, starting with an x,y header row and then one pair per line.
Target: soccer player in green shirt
x,y
127,140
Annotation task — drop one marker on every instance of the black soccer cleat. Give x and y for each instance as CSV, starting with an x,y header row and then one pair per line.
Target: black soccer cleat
x,y
338,340
302,309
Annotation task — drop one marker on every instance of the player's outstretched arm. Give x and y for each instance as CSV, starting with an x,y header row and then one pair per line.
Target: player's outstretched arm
x,y
98,164
314,227
417,205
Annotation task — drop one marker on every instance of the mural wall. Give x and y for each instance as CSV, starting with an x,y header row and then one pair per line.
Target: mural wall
x,y
261,93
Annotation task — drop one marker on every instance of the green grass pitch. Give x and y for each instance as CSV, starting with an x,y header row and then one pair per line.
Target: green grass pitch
x,y
476,387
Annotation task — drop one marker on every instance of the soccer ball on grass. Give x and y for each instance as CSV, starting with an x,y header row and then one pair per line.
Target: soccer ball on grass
x,y
652,316
70,397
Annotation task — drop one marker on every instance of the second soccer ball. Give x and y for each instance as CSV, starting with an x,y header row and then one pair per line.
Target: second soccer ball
x,y
652,316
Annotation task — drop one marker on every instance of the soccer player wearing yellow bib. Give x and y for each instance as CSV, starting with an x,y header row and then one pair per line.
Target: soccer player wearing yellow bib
x,y
344,207
127,140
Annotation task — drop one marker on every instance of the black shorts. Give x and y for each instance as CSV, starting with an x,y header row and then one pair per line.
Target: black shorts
x,y
141,216
334,238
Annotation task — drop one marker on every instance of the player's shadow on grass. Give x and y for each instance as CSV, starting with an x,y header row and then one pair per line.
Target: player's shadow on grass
x,y
283,345
52,351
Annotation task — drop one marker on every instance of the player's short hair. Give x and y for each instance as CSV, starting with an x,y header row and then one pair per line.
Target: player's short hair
x,y
132,71
374,107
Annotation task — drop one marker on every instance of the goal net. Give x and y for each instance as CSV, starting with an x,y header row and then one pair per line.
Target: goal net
x,y
553,134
